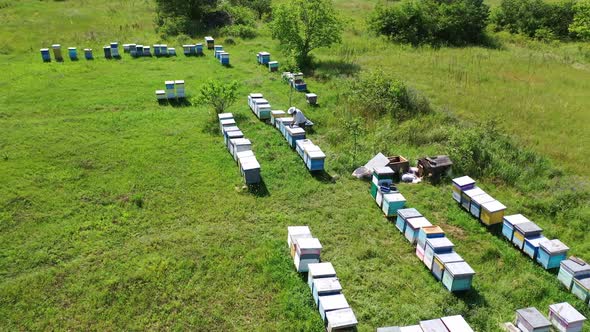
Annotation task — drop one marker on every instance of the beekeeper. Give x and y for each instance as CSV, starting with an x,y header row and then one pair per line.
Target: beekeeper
x,y
299,118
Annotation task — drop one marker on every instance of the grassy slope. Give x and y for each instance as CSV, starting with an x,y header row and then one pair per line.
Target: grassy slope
x,y
83,141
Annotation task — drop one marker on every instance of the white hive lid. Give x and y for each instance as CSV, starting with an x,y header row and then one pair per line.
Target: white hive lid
x,y
343,318
418,222
309,243
333,302
321,269
456,324
567,312
463,181
494,206
474,192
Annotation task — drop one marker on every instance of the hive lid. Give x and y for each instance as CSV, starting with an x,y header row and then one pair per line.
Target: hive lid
x,y
227,121
310,147
230,128
260,101
333,302
585,282
459,269
456,324
263,53
316,154
277,112
285,119
474,192
169,82
339,319
554,246
418,222
295,130
515,219
451,257
241,141
235,133
433,325
179,82
309,243
255,95
321,269
409,213
225,115
493,206
208,38
567,312
250,163
439,242
483,198
303,142
389,329
528,228
432,230
574,266
244,154
394,197
330,284
56,45
383,171
71,48
311,95
160,92
536,240
294,230
463,181
533,317
413,328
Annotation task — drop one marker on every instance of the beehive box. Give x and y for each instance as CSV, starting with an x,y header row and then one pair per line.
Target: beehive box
x,y
147,51
224,58
467,196
342,320
307,251
525,230
476,202
531,246
581,289
413,226
315,160
458,276
402,217
282,123
382,176
274,114
273,66
186,49
250,169
433,325
551,253
57,52
107,52
461,184
294,232
251,98
294,134
456,324
330,303
73,53
88,54
210,42
179,88
325,286
199,48
439,245
319,270
115,49
572,268
45,55
566,318
239,145
509,222
263,58
160,95
170,92
392,203
231,135
492,213
531,320
428,232
171,51
311,98
439,262
300,146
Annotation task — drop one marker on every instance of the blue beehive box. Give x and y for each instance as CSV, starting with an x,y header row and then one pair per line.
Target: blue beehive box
x,y
391,203
315,160
319,270
508,223
300,146
192,49
73,53
458,276
402,217
107,52
147,51
186,49
164,50
157,50
133,50
551,253
467,196
199,49
572,268
171,51
531,246
45,55
273,66
216,49
331,302
263,58
461,184
88,54
114,49
439,245
138,51
477,202
325,286
413,226
427,232
294,134
281,123
581,289
523,231
439,262
224,58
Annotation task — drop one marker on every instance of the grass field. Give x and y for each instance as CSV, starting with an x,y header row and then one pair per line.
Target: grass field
x,y
120,214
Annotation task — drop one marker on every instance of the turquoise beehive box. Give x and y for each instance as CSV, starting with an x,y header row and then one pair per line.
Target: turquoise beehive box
x,y
581,289
440,261
458,276
551,253
413,226
382,176
531,246
572,268
525,230
402,217
392,203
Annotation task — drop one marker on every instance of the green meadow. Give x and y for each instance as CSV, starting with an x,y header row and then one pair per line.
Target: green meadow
x,y
117,213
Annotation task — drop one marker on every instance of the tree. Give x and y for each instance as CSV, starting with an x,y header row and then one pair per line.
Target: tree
x,y
304,25
219,95
183,16
581,24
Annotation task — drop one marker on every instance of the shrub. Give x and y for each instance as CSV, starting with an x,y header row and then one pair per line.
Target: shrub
x,y
219,95
242,31
457,22
581,22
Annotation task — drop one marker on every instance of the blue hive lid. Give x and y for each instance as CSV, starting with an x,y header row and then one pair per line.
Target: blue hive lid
x,y
409,213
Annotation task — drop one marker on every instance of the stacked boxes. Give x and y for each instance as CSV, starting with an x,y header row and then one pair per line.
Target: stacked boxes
x,y
57,52
241,150
566,318
312,155
45,55
263,58
311,98
224,58
460,185
321,279
88,54
115,50
210,42
273,66
572,268
259,106
445,324
179,87
382,177
295,80
531,320
73,53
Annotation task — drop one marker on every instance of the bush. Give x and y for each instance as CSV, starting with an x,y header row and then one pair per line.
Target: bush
x,y
457,22
374,95
242,31
580,26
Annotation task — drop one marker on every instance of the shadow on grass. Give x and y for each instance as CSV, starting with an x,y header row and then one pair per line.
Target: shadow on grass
x,y
472,298
337,67
323,177
181,102
259,189
211,127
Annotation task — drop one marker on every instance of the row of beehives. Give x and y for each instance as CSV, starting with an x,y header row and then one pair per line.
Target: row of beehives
x,y
135,50
240,148
263,58
295,80
433,248
446,324
562,316
221,55
174,89
312,155
321,278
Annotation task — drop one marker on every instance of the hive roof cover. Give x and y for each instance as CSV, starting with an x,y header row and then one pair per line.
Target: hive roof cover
x,y
316,154
327,284
567,312
235,133
536,241
244,154
554,246
483,198
450,257
394,197
440,242
384,170
494,206
456,324
321,269
341,318
433,325
409,213
295,130
463,181
333,302
250,163
255,95
432,230
574,266
533,317
459,269
528,227
241,141
413,328
309,243
260,101
418,222
474,192
516,219
294,230
584,282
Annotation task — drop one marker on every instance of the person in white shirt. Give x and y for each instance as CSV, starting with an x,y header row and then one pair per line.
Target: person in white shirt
x,y
299,118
